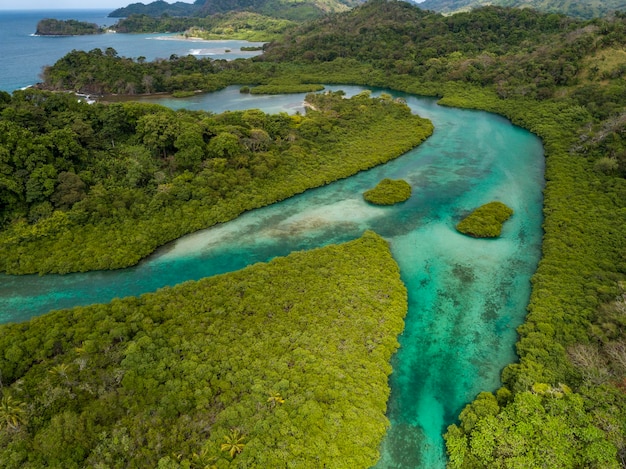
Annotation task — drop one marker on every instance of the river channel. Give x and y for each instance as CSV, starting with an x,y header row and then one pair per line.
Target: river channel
x,y
466,296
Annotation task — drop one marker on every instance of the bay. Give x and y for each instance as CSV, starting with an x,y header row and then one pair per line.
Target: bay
x,y
466,296
24,55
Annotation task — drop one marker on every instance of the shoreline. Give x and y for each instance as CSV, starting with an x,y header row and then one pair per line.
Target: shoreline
x,y
182,37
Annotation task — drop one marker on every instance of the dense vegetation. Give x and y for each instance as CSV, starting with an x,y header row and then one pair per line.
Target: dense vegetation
x,y
498,47
545,425
388,192
298,10
486,221
139,23
53,27
279,365
100,186
585,9
233,25
104,72
240,25
564,403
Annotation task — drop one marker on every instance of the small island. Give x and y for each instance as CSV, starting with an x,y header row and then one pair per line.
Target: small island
x,y
388,192
53,27
486,221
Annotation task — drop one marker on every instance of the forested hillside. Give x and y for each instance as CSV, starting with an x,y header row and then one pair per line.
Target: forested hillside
x,y
563,404
584,9
520,52
279,365
243,25
291,9
158,8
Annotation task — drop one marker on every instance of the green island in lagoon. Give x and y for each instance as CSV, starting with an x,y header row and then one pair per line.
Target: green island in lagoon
x,y
388,192
486,221
101,186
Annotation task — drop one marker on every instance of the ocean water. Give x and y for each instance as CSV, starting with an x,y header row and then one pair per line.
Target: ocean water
x,y
466,296
24,55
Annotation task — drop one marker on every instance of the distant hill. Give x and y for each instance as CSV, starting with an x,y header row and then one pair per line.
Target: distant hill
x,y
158,8
585,9
290,9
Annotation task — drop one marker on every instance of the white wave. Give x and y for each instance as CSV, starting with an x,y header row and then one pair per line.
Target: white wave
x,y
202,52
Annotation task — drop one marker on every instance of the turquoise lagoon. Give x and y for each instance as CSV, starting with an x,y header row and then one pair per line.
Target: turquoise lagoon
x,y
466,296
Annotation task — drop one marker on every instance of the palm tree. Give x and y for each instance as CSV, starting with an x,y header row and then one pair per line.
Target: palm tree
x,y
12,413
60,371
275,398
234,443
203,460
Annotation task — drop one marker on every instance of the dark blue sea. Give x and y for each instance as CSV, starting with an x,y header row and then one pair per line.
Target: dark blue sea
x,y
24,55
